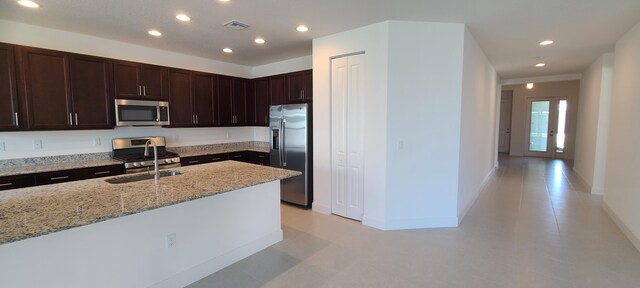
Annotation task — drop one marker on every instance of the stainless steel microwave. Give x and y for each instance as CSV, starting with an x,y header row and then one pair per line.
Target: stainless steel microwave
x,y
141,113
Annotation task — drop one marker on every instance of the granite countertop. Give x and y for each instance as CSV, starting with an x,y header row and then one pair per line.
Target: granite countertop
x,y
217,149
29,169
35,211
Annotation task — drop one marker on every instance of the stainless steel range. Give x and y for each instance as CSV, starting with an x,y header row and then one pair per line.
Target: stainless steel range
x,y
132,152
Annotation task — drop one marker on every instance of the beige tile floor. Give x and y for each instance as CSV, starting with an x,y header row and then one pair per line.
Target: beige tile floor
x,y
533,226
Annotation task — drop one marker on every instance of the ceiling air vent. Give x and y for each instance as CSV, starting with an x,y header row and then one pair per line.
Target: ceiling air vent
x,y
237,25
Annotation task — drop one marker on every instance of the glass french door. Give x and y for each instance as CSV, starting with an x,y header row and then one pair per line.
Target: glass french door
x,y
546,126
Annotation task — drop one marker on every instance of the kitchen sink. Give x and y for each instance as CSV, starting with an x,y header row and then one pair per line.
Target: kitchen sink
x,y
141,177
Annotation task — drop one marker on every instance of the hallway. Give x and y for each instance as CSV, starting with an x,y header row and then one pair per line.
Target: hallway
x,y
533,226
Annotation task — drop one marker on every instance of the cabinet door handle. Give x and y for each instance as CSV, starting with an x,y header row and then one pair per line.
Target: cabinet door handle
x,y
194,161
197,119
193,119
215,159
144,90
140,90
6,184
260,156
101,172
76,115
70,119
16,115
59,178
237,156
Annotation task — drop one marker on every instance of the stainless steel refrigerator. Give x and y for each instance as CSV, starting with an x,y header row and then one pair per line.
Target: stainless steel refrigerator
x,y
290,134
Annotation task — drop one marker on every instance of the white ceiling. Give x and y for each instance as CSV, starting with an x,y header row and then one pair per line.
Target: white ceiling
x,y
507,30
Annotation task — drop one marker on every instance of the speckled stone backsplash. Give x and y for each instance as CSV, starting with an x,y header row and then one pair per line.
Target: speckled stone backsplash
x,y
13,163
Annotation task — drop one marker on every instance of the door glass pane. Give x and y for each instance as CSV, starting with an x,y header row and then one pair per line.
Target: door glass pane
x,y
539,126
562,122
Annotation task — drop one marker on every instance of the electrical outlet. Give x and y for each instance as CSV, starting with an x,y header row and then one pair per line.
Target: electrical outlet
x,y
400,145
37,144
97,141
171,240
2,147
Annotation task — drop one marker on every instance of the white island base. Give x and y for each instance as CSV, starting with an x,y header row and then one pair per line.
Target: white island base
x,y
132,251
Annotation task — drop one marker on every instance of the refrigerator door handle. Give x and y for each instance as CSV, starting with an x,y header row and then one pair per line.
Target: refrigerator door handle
x,y
284,140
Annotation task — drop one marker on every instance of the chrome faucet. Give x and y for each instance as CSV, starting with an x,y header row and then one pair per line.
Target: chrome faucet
x,y
156,177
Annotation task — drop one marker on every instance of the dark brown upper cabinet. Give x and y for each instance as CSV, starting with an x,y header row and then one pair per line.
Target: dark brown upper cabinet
x,y
232,101
140,81
278,90
191,99
300,87
204,98
260,102
47,94
10,115
65,91
91,92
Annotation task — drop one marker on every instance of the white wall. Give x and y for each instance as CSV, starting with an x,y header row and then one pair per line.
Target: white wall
x,y
286,66
424,112
478,146
413,115
569,89
373,40
593,123
622,196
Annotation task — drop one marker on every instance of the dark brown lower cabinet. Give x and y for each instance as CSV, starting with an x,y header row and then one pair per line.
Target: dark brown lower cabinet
x,y
53,177
17,181
78,174
203,159
254,157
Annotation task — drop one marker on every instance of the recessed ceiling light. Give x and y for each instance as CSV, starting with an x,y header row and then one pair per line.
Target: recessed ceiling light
x,y
227,50
302,28
183,17
223,0
155,33
546,42
27,3
259,41
541,65
529,86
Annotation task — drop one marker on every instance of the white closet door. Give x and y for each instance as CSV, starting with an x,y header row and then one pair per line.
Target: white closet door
x,y
346,134
339,90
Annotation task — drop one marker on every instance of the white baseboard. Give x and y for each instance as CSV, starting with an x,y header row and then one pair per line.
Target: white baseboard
x,y
321,208
372,222
635,239
597,191
468,206
421,223
218,263
582,181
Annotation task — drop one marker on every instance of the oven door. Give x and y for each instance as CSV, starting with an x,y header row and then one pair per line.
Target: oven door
x,y
141,113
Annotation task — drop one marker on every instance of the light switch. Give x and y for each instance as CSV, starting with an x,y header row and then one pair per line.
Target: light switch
x,y
400,145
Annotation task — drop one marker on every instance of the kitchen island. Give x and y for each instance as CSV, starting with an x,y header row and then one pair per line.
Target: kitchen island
x,y
94,234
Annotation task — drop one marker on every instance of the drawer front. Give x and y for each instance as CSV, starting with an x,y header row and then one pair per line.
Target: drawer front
x,y
261,158
55,177
103,171
18,181
203,159
239,156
